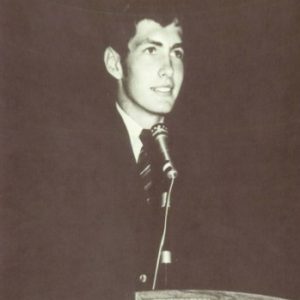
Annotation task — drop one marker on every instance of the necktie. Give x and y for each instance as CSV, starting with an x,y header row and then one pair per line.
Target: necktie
x,y
144,162
150,167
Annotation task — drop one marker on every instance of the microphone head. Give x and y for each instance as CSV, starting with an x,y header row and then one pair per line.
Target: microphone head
x,y
159,129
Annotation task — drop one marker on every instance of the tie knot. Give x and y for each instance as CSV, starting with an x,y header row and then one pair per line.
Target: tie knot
x,y
146,138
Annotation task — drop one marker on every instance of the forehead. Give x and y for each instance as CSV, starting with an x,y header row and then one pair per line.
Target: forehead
x,y
148,29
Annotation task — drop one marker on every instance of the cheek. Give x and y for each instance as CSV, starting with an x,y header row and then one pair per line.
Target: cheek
x,y
132,77
137,72
179,73
136,83
142,77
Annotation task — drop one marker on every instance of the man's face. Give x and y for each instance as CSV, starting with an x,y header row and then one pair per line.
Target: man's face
x,y
153,70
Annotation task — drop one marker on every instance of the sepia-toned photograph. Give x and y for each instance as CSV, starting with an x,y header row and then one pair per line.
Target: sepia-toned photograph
x,y
149,149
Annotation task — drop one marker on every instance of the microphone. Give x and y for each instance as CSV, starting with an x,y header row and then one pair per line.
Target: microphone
x,y
160,135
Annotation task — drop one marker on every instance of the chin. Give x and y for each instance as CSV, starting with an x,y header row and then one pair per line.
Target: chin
x,y
163,112
165,106
160,107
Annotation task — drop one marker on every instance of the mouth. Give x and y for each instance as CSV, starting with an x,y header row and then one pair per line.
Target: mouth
x,y
165,90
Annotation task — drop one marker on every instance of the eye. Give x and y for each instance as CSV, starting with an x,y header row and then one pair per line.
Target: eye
x,y
179,53
150,50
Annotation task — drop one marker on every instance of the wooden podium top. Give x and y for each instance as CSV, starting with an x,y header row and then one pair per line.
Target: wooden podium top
x,y
199,295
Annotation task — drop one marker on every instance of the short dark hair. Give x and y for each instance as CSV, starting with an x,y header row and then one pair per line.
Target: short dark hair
x,y
120,26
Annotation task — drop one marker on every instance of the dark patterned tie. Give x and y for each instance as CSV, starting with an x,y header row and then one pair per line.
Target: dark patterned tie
x,y
150,167
144,162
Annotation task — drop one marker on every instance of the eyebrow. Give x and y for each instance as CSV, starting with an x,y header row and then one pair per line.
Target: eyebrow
x,y
159,44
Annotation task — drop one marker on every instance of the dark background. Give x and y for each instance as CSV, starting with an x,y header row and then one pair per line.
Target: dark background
x,y
239,105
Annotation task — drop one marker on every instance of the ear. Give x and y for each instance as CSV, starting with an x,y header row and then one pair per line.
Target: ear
x,y
112,61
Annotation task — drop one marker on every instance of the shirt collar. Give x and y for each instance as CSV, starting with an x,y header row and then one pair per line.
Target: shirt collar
x,y
134,131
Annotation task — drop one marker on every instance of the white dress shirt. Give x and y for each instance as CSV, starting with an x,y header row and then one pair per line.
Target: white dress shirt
x,y
134,131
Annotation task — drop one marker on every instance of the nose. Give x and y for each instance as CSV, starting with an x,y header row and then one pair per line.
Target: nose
x,y
166,68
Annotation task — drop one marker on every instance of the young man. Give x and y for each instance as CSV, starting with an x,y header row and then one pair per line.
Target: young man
x,y
149,70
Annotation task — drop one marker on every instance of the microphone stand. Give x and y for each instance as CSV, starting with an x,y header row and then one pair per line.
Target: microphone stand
x,y
164,257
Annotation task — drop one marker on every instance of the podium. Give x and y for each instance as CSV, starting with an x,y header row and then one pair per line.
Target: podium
x,y
199,295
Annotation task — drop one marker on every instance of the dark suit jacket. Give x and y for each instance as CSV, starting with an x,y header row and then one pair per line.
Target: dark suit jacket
x,y
74,224
78,223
